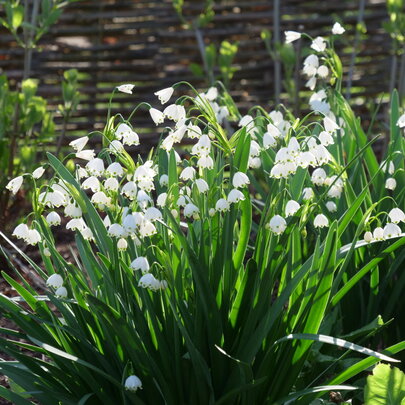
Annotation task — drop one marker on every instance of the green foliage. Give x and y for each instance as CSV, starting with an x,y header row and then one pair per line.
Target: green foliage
x,y
24,122
70,93
204,18
227,53
222,294
218,60
396,25
44,14
386,386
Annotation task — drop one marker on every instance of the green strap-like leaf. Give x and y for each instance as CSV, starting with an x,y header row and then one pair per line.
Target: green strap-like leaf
x,y
337,342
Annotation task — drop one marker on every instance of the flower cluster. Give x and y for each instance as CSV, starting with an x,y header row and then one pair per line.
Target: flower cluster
x,y
135,198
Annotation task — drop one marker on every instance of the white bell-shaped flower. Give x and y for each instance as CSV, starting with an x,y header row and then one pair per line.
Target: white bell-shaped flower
x,y
179,133
202,185
391,231
111,184
21,231
161,200
100,198
277,171
149,281
122,130
326,138
194,131
175,112
15,184
306,159
61,292
254,162
53,199
79,144
187,173
157,116
133,383
116,147
254,149
147,229
171,112
378,233
129,190
205,162
181,201
322,71
122,244
321,221
277,224
291,36
140,263
269,141
222,205
318,44
116,230
311,83
114,169
167,143
282,156
143,198
33,237
95,167
211,94
55,281
76,224
368,237
164,94
38,172
391,168
53,219
322,154
335,191
164,180
331,206
291,208
82,173
396,215
129,224
203,146
107,221
293,147
73,211
273,131
235,196
330,125
307,194
126,88
401,121
390,184
318,176
146,184
337,29
87,154
240,180
130,139
191,210
153,214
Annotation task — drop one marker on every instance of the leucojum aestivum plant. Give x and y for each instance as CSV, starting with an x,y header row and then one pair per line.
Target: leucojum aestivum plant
x,y
213,279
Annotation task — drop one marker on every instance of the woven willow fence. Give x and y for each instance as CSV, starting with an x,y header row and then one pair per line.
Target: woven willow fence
x,y
113,42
